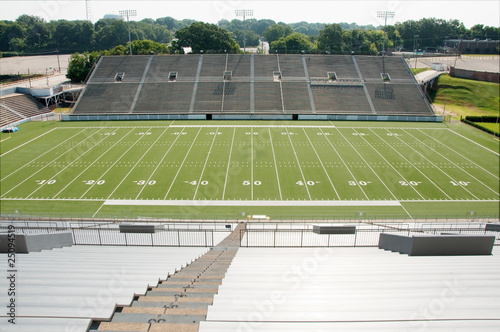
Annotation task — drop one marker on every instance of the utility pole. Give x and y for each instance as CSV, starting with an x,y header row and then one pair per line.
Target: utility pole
x,y
384,14
128,13
244,13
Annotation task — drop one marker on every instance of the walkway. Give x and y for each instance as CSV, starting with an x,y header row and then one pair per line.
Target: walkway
x,y
180,302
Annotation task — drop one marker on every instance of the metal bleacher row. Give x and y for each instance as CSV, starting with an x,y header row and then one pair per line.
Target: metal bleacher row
x,y
17,107
252,84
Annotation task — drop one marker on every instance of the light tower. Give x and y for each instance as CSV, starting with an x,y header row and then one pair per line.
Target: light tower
x,y
244,13
128,13
88,9
384,14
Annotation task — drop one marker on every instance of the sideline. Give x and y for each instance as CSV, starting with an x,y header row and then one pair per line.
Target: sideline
x,y
3,154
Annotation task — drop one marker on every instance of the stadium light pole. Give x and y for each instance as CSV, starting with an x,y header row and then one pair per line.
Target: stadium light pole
x,y
384,14
128,13
244,13
415,48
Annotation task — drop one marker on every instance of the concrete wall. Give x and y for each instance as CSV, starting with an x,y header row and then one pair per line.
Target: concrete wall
x,y
437,245
475,75
26,243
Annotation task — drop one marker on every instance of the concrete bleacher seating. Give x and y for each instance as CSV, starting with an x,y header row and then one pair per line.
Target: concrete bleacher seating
x,y
252,84
17,107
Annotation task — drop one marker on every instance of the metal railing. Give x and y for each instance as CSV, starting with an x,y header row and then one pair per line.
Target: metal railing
x,y
304,238
113,236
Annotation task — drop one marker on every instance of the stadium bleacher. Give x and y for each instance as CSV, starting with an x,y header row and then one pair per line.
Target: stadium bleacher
x,y
18,107
253,84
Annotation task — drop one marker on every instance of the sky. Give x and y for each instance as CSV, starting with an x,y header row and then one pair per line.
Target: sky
x,y
362,12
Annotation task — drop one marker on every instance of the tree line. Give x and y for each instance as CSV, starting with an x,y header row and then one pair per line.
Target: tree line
x,y
32,35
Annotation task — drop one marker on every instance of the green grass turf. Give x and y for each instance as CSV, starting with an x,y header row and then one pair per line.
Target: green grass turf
x,y
480,98
71,169
491,126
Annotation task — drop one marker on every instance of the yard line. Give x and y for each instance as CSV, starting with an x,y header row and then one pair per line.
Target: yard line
x,y
116,161
182,164
461,155
388,163
138,161
275,164
20,168
71,163
298,163
368,165
321,162
228,164
345,165
29,177
251,163
411,163
435,166
76,177
205,165
455,165
31,140
498,154
156,168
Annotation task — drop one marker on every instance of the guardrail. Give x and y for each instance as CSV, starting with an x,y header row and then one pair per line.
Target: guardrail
x,y
303,238
114,237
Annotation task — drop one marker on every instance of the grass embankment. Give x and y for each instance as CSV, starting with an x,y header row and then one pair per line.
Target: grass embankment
x,y
416,71
464,97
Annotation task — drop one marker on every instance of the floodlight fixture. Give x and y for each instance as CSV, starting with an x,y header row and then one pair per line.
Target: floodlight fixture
x,y
244,13
128,13
385,14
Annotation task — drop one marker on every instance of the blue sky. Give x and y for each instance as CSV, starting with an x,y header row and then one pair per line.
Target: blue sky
x,y
361,12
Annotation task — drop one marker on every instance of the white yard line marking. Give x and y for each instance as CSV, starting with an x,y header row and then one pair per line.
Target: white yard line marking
x,y
67,151
321,162
182,164
205,165
361,156
161,161
228,165
118,202
251,163
71,163
138,161
462,156
86,168
460,168
345,165
257,202
388,163
275,164
246,126
415,167
43,154
31,140
498,154
298,163
434,165
111,167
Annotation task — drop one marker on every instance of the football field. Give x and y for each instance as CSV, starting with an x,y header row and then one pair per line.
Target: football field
x,y
237,166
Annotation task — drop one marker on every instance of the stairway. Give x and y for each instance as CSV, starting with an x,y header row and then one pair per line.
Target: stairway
x,y
180,302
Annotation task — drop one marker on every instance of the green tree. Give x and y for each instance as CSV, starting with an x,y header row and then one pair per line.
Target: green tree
x,y
277,31
330,39
115,32
80,65
293,43
252,39
208,38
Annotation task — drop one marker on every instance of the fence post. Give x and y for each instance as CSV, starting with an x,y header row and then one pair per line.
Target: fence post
x,y
179,237
99,233
301,237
